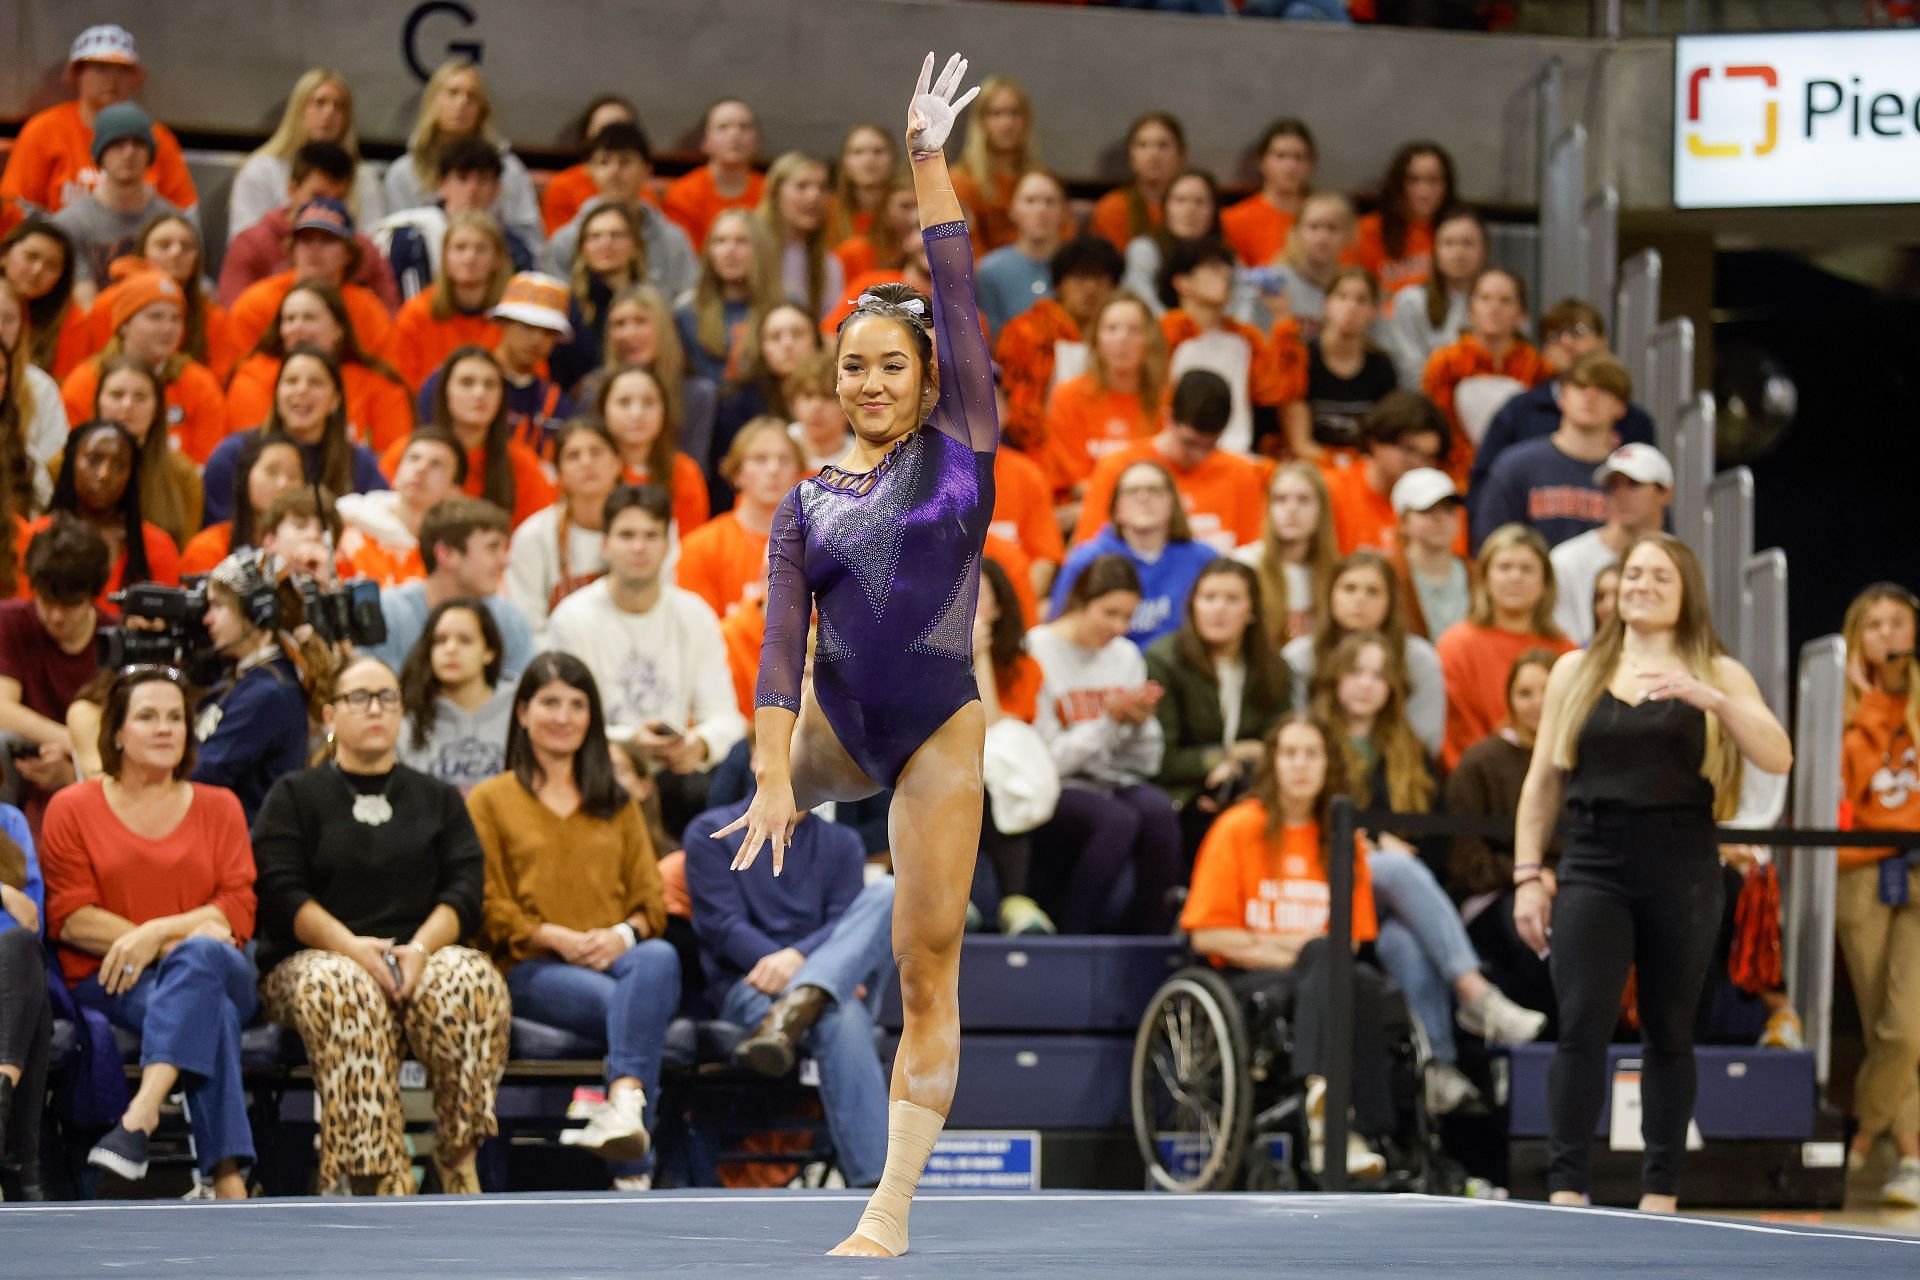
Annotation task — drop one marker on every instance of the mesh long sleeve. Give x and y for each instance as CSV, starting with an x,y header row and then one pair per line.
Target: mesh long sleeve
x,y
966,409
783,654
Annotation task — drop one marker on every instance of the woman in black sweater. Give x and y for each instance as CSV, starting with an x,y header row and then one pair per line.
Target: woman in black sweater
x,y
369,873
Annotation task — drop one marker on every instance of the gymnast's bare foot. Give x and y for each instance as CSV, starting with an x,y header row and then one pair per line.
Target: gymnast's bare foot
x,y
858,1246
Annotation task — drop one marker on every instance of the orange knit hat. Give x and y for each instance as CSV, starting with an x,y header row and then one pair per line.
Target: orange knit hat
x,y
141,290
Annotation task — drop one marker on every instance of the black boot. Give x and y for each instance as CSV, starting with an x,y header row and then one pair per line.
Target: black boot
x,y
775,1044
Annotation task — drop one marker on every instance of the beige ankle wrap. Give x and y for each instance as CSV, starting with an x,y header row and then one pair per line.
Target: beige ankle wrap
x,y
911,1132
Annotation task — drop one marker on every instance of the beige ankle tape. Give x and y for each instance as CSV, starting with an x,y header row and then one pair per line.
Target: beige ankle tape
x,y
911,1132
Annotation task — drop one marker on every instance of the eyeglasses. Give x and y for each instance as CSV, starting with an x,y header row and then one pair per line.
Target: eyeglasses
x,y
363,699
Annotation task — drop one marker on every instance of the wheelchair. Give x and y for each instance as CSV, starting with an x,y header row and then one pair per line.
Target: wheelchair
x,y
1217,1106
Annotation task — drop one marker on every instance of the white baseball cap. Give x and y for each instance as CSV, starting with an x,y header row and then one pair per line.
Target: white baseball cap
x,y
104,43
1638,462
1421,489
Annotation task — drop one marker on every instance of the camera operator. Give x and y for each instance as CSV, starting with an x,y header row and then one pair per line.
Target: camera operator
x,y
47,654
253,727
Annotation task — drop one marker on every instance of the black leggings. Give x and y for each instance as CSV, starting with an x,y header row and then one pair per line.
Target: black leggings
x,y
1641,889
1102,833
26,1030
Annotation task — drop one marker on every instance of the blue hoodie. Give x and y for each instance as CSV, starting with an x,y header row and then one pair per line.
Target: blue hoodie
x,y
1164,583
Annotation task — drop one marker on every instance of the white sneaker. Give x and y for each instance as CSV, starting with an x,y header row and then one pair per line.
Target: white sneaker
x,y
1783,1030
1498,1020
1362,1161
1903,1188
634,1182
618,1130
1448,1089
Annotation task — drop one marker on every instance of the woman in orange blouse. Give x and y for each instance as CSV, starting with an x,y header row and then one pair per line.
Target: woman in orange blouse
x,y
633,403
1396,243
1116,402
470,401
37,259
1491,357
170,243
379,409
149,324
1259,226
866,175
474,267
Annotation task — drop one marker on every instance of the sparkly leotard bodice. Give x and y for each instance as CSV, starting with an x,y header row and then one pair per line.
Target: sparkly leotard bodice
x,y
891,557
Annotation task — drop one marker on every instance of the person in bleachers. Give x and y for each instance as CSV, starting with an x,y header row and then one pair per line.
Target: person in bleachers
x,y
102,221
640,417
1260,227
1570,331
26,1017
455,105
819,425
269,465
783,337
1015,276
1008,679
473,402
1486,784
1471,378
998,151
252,726
884,250
37,260
33,396
1422,318
724,561
1363,594
322,248
1362,693
620,162
1048,344
1877,899
1192,212
127,391
172,244
1223,687
150,898
47,653
1097,717
457,696
412,241
370,874
557,550
1396,243
641,330
1512,612
311,396
729,137
52,163
1304,270
531,315
1267,371
865,177
657,651
582,951
1638,481
739,283
376,409
1435,580
1147,526
1156,149
1346,374
149,325
1117,401
319,112
1258,909
795,958
1221,492
381,537
463,547
1555,484
794,208
568,191
1403,431
317,170
1294,555
100,482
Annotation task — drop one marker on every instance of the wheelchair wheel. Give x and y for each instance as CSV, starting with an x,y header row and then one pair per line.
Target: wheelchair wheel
x,y
1191,1087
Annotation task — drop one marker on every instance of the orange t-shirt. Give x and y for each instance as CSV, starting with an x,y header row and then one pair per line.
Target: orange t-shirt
x,y
1256,229
745,630
567,191
419,343
1276,366
222,354
207,548
254,310
379,410
1086,422
993,224
532,490
1023,507
1876,738
1019,570
75,344
1225,496
1241,881
857,257
1413,266
724,563
163,558
1026,353
1476,661
1109,218
693,201
196,411
1467,358
692,503
1363,516
1018,687
52,162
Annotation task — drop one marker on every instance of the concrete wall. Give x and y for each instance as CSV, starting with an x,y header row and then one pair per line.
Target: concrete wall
x,y
812,67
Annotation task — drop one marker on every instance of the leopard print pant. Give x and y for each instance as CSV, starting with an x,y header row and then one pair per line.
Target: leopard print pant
x,y
457,1024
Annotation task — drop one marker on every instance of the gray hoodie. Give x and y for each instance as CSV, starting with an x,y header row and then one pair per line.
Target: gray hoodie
x,y
464,748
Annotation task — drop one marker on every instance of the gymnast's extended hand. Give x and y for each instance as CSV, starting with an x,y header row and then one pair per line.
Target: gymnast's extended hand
x,y
931,114
770,819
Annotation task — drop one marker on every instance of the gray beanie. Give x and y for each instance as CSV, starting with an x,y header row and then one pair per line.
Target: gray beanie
x,y
119,122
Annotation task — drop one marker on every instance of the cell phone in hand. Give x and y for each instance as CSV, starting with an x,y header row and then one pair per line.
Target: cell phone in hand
x,y
21,750
662,729
393,967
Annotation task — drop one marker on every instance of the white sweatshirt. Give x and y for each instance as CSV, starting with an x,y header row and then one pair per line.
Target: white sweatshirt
x,y
1087,745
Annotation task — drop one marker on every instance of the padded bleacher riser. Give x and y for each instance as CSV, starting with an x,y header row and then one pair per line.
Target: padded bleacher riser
x,y
1084,984
1744,1093
1039,1081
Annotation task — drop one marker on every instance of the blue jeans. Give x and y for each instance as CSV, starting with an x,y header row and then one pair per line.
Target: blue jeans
x,y
853,1089
1422,943
189,1009
1298,10
627,1008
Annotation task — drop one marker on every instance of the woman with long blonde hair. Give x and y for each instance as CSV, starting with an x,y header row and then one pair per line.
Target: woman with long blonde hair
x,y
1643,736
795,208
998,151
868,172
320,109
1118,400
1296,551
475,265
739,283
455,104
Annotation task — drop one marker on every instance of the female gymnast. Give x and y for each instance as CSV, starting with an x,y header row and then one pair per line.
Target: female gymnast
x,y
887,545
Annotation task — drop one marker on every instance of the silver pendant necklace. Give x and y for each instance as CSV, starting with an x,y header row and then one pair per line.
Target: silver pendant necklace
x,y
371,810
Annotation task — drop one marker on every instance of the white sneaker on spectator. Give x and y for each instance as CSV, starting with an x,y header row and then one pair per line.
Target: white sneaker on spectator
x,y
1020,914
618,1130
1903,1188
1498,1020
634,1182
1448,1089
1362,1161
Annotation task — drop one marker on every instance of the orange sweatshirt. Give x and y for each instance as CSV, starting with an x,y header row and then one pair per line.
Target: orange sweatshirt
x,y
1476,661
1241,880
1881,773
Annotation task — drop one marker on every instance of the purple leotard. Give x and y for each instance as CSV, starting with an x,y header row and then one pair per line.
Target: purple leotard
x,y
892,556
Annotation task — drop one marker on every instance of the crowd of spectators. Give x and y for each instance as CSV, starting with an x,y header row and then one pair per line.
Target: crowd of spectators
x,y
1278,482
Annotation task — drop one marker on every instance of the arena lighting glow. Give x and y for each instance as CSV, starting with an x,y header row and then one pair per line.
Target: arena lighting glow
x,y
1796,120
